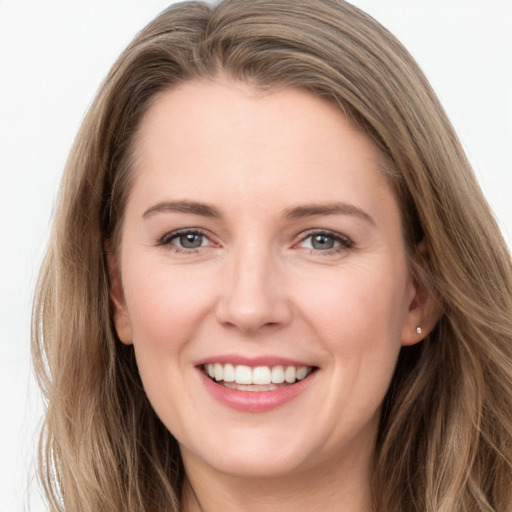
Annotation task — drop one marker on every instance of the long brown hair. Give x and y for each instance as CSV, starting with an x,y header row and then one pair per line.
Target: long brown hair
x,y
445,439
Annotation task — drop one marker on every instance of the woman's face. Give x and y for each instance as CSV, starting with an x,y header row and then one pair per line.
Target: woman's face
x,y
261,243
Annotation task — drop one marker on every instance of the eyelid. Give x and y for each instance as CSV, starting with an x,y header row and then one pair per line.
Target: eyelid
x,y
167,238
344,241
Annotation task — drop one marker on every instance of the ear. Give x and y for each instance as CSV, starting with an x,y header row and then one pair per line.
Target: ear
x,y
119,309
424,310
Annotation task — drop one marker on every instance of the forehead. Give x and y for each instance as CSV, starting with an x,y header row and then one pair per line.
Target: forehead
x,y
217,112
221,140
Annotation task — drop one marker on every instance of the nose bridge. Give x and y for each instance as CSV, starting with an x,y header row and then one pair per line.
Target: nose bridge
x,y
252,291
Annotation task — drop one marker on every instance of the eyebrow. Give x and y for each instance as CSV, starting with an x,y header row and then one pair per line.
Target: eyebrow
x,y
297,212
311,210
182,207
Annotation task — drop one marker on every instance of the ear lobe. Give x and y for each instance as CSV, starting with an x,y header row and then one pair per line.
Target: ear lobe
x,y
424,310
119,309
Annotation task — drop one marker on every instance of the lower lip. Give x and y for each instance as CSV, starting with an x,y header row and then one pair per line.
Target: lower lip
x,y
256,401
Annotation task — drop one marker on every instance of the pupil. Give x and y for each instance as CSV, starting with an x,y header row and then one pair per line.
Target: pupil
x,y
323,242
191,241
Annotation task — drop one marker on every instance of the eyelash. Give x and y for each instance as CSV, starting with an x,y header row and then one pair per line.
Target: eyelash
x,y
166,240
344,242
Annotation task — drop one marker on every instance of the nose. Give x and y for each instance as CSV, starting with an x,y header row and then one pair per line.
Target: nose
x,y
253,293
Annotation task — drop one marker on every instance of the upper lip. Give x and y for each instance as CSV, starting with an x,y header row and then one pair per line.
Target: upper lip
x,y
252,361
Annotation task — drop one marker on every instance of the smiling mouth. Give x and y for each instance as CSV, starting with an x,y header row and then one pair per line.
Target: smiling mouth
x,y
259,378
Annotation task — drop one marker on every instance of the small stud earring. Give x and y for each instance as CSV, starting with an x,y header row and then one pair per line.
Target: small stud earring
x,y
418,330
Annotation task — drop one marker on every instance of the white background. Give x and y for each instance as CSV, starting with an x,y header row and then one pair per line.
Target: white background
x,y
54,54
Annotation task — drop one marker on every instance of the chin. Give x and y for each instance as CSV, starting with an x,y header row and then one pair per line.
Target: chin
x,y
241,455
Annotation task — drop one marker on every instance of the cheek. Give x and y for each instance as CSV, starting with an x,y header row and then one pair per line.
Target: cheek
x,y
358,310
165,308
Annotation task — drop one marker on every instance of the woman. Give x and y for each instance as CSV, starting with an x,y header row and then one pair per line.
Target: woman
x,y
273,281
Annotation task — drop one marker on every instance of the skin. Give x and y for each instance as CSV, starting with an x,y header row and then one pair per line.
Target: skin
x,y
256,286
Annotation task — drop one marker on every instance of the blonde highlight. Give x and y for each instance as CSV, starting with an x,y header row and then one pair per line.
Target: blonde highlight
x,y
445,439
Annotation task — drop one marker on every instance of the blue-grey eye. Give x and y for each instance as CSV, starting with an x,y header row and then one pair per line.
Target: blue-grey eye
x,y
322,242
190,240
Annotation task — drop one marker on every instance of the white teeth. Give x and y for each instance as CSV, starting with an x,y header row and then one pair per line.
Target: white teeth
x,y
260,375
243,374
217,370
229,373
289,374
301,373
250,387
277,374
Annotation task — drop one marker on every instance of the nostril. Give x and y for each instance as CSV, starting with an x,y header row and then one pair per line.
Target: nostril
x,y
251,319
